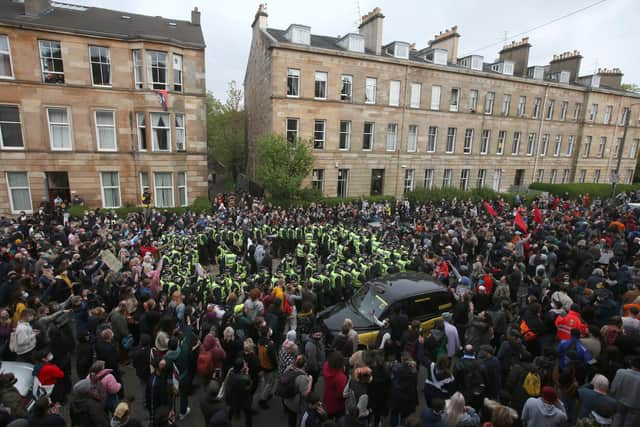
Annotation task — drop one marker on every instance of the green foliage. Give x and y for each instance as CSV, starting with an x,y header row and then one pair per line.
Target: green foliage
x,y
226,130
201,204
282,165
631,87
422,195
602,191
308,196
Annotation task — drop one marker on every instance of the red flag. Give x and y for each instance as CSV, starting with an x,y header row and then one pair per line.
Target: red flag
x,y
537,216
164,98
490,209
520,222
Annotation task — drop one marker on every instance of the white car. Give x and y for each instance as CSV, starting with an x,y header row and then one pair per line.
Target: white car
x,y
23,373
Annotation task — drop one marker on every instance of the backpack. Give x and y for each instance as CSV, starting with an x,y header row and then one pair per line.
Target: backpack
x,y
263,356
473,380
286,387
286,307
532,384
526,332
205,363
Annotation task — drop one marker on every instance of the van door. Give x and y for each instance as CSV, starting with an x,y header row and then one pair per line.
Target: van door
x,y
428,308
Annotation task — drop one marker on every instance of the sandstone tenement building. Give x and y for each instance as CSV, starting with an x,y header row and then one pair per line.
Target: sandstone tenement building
x,y
386,118
81,106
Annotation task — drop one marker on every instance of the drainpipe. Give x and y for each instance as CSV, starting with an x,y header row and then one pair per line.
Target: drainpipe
x,y
403,105
540,128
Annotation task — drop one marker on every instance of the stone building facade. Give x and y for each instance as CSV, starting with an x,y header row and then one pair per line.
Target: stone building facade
x,y
81,107
385,119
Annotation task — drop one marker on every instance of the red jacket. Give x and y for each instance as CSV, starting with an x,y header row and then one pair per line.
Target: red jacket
x,y
335,381
49,374
567,323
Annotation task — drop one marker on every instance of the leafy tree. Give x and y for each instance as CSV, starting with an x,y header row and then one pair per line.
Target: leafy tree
x,y
226,130
631,87
282,165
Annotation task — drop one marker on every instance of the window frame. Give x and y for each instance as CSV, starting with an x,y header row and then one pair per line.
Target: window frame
x,y
571,142
553,176
392,136
2,144
596,176
454,102
316,141
52,58
522,106
447,176
180,73
593,113
540,175
316,81
550,109
155,189
314,180
450,146
497,179
69,124
413,135
374,87
557,147
515,144
436,94
7,52
142,186
346,81
485,141
288,130
394,95
489,101
144,130
566,175
150,68
138,65
532,140
506,104
576,111
544,144
153,134
429,174
467,147
633,149
608,113
347,135
564,108
409,180
416,93
184,187
370,134
100,64
114,128
586,146
481,178
103,188
537,105
10,192
582,176
500,142
602,147
473,100
182,128
345,180
432,136
293,74
464,179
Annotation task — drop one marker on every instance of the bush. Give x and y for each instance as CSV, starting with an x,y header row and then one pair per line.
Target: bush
x,y
201,204
602,191
308,196
423,195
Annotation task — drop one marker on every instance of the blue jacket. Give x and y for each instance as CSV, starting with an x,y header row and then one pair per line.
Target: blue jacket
x,y
566,349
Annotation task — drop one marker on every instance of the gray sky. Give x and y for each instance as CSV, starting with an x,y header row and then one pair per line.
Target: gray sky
x,y
607,35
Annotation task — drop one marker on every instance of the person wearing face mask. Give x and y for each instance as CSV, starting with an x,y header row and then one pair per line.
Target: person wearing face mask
x,y
46,375
25,341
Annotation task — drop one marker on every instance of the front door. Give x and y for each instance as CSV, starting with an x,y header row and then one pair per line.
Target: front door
x,y
58,185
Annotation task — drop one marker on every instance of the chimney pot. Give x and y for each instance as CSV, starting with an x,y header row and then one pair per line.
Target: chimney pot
x,y
371,29
195,16
261,17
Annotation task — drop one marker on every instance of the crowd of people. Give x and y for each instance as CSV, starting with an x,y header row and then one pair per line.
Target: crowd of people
x,y
543,330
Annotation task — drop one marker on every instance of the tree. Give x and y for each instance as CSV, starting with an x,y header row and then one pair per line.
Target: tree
x,y
631,87
225,130
282,165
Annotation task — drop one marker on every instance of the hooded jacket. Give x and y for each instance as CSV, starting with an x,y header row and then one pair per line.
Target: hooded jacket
x,y
538,413
85,409
334,382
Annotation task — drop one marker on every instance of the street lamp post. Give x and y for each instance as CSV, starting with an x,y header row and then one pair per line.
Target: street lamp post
x,y
615,178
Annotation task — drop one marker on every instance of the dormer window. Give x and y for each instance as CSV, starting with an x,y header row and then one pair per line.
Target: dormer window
x,y
560,77
352,42
399,50
300,34
473,62
436,56
536,72
504,67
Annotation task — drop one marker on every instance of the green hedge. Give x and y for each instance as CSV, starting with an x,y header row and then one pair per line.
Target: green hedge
x,y
201,204
422,195
602,191
308,196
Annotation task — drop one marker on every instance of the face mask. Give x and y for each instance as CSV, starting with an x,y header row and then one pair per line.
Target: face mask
x,y
49,357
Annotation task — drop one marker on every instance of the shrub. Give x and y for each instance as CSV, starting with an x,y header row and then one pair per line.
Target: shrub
x,y
602,191
423,195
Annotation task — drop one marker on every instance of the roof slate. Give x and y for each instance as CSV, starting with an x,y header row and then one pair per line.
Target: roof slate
x,y
95,21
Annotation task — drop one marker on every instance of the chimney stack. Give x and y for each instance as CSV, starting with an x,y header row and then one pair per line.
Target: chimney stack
x,y
36,7
566,61
447,39
371,30
518,52
610,77
261,17
195,16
